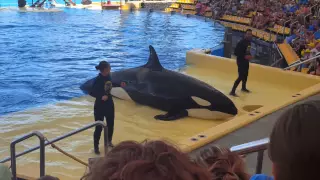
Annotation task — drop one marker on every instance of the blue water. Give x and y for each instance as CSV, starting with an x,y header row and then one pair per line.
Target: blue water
x,y
14,3
45,57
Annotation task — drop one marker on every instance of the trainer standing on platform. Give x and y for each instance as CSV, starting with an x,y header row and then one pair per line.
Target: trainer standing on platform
x,y
103,106
243,54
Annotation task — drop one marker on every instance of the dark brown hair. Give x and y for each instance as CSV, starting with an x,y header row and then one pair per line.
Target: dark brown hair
x,y
295,143
102,65
223,164
150,160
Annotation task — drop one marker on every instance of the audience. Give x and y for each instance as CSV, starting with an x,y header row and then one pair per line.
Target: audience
x,y
316,69
296,18
294,145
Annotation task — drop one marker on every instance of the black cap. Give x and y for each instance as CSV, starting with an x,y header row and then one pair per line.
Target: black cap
x,y
102,65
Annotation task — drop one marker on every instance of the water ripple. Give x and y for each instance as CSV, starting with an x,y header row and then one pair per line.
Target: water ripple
x,y
44,57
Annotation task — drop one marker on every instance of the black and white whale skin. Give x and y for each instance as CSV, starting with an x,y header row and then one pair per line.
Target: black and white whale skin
x,y
178,94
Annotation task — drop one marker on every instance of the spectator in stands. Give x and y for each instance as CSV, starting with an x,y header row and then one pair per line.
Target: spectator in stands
x,y
234,9
316,69
242,52
198,7
313,24
47,177
289,39
294,143
302,32
299,47
150,160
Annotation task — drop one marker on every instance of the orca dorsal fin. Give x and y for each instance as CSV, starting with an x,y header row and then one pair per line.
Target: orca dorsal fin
x,y
153,61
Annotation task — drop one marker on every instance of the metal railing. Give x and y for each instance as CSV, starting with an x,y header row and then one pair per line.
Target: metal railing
x,y
305,18
284,29
13,152
291,25
303,62
313,9
43,144
276,62
258,146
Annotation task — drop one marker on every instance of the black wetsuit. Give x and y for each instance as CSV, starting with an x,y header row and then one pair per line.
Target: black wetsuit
x,y
103,109
242,49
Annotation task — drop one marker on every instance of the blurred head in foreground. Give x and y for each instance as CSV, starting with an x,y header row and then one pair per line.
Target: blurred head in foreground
x,y
223,164
295,143
154,160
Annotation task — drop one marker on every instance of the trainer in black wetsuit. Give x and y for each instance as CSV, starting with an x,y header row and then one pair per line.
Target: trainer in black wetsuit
x,y
242,52
103,106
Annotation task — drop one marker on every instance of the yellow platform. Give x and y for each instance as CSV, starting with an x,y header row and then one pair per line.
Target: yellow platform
x,y
266,36
237,19
186,1
271,89
188,7
288,53
280,29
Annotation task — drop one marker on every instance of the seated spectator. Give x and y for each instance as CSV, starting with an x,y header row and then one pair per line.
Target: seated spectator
x,y
317,35
294,145
307,54
293,8
234,9
316,70
150,160
289,39
226,165
5,173
300,46
314,25
203,9
198,8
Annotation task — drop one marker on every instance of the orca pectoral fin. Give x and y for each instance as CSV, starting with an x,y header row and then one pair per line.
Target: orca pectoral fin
x,y
172,115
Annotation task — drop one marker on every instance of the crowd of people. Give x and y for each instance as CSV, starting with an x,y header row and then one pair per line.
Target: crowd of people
x,y
297,19
294,151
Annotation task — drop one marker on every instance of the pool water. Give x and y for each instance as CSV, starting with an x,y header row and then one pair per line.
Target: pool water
x,y
14,3
45,57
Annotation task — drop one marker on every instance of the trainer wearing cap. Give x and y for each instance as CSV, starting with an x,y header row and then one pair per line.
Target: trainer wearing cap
x,y
103,106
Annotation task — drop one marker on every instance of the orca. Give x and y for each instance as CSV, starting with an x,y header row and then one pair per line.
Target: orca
x,y
177,94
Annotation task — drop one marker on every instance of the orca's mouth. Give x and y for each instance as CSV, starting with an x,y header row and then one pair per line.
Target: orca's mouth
x,y
231,109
